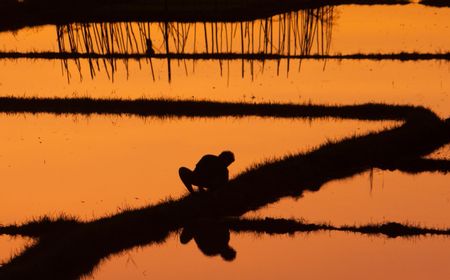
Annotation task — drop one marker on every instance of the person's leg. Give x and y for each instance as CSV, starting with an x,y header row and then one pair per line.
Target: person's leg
x,y
186,178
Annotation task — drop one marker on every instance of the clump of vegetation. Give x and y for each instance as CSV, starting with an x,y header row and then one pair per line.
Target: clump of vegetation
x,y
15,14
189,108
41,226
286,226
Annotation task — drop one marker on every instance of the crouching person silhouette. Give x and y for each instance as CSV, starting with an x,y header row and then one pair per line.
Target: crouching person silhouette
x,y
210,173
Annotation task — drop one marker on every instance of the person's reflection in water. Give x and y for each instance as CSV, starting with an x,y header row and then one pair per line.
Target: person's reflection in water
x,y
210,173
211,236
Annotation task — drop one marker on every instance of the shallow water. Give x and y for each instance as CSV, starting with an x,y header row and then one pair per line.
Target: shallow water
x,y
385,29
89,167
372,197
343,29
355,29
11,246
92,166
441,153
423,83
320,255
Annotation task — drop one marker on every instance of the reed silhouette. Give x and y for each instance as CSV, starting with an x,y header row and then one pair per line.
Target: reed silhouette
x,y
283,35
76,248
15,15
109,63
284,38
288,33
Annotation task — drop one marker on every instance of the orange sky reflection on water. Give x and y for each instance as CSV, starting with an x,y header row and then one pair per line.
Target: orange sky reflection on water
x,y
366,29
321,255
422,83
89,167
422,199
10,246
92,166
357,29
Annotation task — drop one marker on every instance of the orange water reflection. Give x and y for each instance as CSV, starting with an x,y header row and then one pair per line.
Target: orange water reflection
x,y
441,153
380,196
322,255
422,83
356,28
11,246
385,29
89,167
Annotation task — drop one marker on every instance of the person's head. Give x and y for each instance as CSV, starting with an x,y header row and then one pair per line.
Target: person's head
x,y
227,157
228,254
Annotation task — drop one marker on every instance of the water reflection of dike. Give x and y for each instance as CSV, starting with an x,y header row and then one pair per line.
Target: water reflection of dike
x,y
282,37
68,249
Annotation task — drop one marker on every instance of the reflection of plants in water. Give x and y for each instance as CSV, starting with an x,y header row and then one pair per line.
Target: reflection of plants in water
x,y
67,249
291,34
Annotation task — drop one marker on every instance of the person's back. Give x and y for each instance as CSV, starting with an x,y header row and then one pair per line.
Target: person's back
x,y
211,172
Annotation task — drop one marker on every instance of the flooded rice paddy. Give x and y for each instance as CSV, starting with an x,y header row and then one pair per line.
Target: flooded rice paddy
x,y
96,167
11,246
351,29
375,196
268,257
109,162
422,83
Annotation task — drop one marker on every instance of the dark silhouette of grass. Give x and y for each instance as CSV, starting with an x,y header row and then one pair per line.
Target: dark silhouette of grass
x,y
211,232
41,226
402,56
420,165
14,15
186,108
100,39
435,3
286,226
47,226
68,254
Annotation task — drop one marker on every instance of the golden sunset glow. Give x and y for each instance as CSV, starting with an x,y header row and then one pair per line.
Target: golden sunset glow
x,y
89,168
308,253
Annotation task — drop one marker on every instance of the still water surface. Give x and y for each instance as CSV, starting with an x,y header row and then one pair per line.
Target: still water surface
x,y
11,246
346,29
422,83
354,29
89,167
92,166
372,197
320,255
